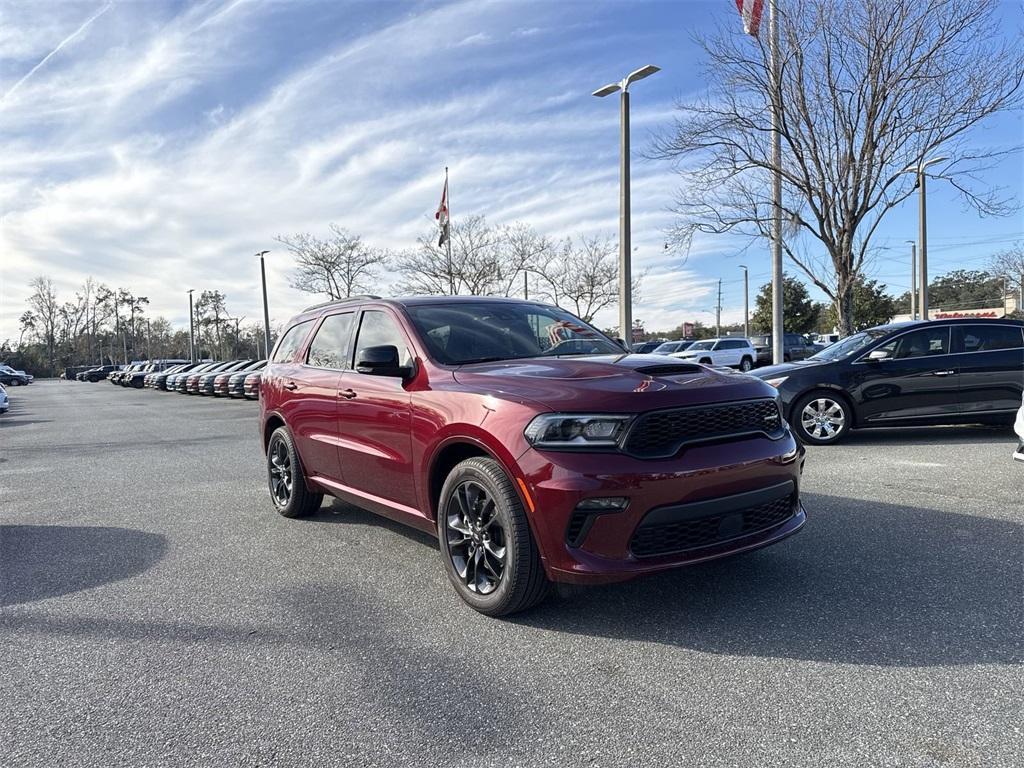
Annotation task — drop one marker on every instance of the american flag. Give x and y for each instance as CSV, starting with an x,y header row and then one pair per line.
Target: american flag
x,y
750,10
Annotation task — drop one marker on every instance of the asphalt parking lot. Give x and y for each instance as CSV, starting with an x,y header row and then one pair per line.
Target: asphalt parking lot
x,y
155,610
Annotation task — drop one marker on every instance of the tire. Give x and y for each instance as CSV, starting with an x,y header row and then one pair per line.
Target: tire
x,y
833,411
471,539
286,479
705,361
787,358
746,364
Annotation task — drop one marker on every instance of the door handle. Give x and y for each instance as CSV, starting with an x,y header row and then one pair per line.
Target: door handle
x,y
348,394
943,373
291,385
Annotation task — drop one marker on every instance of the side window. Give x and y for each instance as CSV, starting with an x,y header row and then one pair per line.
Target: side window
x,y
290,342
330,346
924,343
986,338
731,344
378,329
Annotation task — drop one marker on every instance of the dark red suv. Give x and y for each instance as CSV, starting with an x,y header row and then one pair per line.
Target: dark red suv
x,y
531,444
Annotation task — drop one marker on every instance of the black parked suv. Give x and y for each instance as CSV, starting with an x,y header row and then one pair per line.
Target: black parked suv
x,y
96,374
794,347
965,371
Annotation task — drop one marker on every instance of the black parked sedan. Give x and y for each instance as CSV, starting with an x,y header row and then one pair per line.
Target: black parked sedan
x,y
912,373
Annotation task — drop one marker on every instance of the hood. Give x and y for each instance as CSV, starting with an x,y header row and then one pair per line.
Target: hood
x,y
613,383
772,371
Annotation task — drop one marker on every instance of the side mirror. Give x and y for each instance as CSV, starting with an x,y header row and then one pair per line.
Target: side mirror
x,y
879,354
380,361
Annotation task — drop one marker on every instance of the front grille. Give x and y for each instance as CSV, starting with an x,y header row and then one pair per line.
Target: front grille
x,y
668,538
660,434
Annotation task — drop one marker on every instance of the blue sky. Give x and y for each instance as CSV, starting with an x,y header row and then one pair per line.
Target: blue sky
x,y
157,145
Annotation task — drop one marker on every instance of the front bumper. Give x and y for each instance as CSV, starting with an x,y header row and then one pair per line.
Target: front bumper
x,y
713,485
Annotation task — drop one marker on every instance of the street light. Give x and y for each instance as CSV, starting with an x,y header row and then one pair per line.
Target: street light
x,y
746,300
191,330
922,233
625,267
266,308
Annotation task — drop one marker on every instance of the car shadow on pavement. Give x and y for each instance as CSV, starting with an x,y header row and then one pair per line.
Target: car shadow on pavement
x,y
944,436
41,561
338,511
863,583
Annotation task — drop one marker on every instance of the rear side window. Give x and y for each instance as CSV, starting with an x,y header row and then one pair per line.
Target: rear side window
x,y
732,344
290,342
329,348
986,338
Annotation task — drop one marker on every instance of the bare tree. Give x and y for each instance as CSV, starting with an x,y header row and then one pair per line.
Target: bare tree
x,y
478,264
1010,264
337,267
867,89
583,276
46,312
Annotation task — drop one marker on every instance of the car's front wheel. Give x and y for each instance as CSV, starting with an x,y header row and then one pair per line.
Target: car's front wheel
x,y
746,364
286,479
821,418
488,550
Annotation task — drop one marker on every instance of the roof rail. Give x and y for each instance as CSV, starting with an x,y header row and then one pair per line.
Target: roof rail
x,y
361,297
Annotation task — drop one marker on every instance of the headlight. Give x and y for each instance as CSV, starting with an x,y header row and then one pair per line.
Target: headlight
x,y
777,381
573,431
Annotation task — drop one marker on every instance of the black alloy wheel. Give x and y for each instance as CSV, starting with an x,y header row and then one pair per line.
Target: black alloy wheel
x,y
476,540
486,543
285,478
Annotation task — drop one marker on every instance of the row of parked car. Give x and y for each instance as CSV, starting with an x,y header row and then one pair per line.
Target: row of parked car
x,y
231,378
733,351
11,378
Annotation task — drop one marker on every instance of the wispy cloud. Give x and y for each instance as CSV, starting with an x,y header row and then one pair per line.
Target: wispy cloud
x,y
66,41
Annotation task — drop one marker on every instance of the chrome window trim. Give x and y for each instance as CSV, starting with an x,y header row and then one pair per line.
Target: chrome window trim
x,y
889,339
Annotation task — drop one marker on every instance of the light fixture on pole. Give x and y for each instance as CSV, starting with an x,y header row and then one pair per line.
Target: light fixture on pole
x,y
922,231
191,330
746,300
625,266
266,308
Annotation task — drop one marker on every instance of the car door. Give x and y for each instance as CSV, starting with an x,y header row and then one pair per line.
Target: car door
x,y
726,352
918,379
991,360
312,410
374,425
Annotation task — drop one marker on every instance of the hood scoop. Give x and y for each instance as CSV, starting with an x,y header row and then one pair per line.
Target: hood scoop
x,y
669,370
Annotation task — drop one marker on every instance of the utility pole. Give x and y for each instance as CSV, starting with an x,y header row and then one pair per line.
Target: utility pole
x,y
191,330
921,171
913,279
746,300
777,318
266,308
718,311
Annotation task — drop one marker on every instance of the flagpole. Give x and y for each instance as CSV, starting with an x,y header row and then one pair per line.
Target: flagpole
x,y
448,240
776,96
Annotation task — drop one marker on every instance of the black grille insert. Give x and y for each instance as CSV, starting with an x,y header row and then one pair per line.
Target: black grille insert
x,y
660,434
669,538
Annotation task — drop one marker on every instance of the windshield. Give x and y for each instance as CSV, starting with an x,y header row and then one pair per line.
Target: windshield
x,y
481,332
701,345
851,345
668,346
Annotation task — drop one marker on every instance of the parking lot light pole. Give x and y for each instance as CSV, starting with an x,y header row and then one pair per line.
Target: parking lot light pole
x,y
191,330
922,231
266,308
746,300
625,234
913,279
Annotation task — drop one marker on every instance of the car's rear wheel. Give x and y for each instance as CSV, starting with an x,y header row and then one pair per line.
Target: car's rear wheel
x,y
746,364
286,479
488,550
821,418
